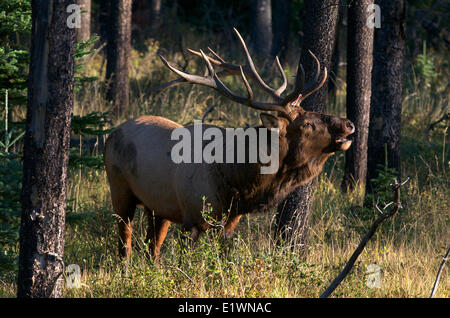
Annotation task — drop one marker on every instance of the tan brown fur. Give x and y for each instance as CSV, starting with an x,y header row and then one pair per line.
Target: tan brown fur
x,y
140,171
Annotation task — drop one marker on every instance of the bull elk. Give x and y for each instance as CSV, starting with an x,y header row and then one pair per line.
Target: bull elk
x,y
140,170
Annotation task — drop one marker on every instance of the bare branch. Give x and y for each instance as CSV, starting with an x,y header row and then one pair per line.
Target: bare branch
x,y
383,216
441,267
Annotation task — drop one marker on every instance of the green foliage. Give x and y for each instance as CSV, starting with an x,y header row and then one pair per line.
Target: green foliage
x,y
82,50
91,124
77,160
15,17
10,188
382,192
13,76
15,22
425,66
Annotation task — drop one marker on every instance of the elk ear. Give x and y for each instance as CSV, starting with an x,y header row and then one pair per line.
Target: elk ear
x,y
270,121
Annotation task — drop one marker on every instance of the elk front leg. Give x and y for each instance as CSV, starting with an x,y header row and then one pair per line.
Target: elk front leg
x,y
231,224
156,233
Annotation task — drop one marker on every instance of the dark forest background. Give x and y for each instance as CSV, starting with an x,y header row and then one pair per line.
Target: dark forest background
x,y
398,74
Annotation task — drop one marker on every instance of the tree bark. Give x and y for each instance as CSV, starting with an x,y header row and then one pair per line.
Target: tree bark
x,y
281,19
293,218
46,145
118,55
84,32
319,27
261,27
386,101
359,77
155,15
339,50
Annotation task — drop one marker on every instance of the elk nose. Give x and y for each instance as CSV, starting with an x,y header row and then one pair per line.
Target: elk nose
x,y
350,127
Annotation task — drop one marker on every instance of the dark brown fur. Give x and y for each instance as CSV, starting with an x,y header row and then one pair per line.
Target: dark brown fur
x,y
306,141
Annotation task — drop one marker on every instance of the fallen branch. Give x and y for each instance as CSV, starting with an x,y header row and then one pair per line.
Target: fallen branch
x,y
383,216
208,112
441,267
434,124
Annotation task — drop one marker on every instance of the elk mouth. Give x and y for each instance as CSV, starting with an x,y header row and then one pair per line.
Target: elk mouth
x,y
343,143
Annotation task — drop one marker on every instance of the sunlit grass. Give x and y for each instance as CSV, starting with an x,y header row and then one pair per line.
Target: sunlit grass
x,y
408,250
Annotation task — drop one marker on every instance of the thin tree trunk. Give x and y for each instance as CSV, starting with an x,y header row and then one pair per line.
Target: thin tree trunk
x,y
359,77
338,52
103,20
319,26
47,139
155,14
386,101
281,19
84,32
261,27
118,55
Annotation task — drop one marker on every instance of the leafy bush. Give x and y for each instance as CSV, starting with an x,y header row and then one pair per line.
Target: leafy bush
x,y
10,208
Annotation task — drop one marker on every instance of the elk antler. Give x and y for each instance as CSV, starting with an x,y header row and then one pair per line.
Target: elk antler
x,y
249,69
213,81
281,105
299,94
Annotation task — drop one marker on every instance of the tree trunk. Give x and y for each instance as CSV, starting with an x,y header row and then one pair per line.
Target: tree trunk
x,y
386,101
281,19
84,32
261,27
359,77
320,24
118,55
103,20
155,15
293,218
338,52
47,139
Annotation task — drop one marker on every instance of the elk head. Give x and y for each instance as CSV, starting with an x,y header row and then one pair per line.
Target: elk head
x,y
307,134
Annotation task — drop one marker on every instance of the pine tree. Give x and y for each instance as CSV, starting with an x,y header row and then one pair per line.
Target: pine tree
x,y
46,150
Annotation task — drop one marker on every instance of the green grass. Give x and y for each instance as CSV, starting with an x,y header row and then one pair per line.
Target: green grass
x,y
408,248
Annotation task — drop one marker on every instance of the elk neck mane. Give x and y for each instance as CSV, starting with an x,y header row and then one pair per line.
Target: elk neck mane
x,y
249,191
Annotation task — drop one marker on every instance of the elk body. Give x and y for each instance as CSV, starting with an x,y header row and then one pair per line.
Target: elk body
x,y
140,170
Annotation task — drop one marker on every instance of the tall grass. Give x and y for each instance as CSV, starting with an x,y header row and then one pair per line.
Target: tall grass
x,y
408,248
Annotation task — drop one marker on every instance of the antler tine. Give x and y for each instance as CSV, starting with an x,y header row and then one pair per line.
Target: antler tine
x,y
283,86
250,67
230,68
299,82
247,85
325,74
217,55
214,82
311,87
195,79
317,72
208,64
